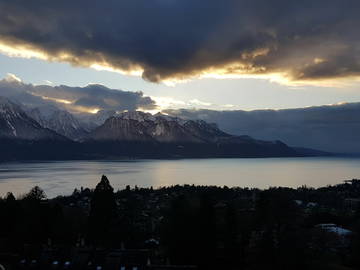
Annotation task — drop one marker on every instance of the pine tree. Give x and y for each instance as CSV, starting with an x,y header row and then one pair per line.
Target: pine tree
x,y
102,212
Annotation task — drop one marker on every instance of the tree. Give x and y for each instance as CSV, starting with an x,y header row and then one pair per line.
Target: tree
x,y
10,197
36,194
10,214
102,212
188,231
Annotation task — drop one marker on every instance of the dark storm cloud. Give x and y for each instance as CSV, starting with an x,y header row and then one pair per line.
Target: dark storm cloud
x,y
174,39
333,128
84,99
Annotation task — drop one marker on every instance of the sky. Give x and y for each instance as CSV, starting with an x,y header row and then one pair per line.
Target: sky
x,y
218,94
221,55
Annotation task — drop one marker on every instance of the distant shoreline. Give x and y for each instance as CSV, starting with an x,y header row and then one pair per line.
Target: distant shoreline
x,y
135,159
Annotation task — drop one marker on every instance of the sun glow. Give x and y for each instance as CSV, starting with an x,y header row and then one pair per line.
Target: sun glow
x,y
93,111
155,111
236,70
58,100
106,67
70,105
82,109
23,51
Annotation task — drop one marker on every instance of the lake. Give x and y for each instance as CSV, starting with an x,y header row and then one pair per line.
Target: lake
x,y
61,177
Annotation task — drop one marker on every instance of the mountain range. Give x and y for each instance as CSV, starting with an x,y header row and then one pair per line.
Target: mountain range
x,y
60,121
15,123
47,132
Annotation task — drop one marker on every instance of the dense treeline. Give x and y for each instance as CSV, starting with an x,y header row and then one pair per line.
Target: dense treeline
x,y
210,227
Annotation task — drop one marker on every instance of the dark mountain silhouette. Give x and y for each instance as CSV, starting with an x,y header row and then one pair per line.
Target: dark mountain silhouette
x,y
331,128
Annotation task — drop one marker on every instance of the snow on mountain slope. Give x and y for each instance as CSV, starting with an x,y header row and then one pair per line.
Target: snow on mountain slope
x,y
60,121
16,124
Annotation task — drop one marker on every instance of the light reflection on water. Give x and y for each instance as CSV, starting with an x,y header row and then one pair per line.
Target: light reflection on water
x,y
61,177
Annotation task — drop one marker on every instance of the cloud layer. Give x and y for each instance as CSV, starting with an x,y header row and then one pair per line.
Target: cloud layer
x,y
91,98
286,40
333,128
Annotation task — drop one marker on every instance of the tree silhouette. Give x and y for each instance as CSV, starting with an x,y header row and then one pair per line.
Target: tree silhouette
x,y
10,197
36,194
189,231
102,212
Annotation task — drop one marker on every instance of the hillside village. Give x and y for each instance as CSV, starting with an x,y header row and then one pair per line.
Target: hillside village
x,y
183,227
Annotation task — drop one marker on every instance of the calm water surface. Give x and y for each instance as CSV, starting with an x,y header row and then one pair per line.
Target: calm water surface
x,y
61,177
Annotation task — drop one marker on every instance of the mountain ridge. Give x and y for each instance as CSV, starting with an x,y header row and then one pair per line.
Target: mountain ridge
x,y
60,121
131,134
16,124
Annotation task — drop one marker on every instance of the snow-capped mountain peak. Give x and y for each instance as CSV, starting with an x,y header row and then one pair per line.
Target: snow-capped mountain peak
x,y
141,126
60,121
15,123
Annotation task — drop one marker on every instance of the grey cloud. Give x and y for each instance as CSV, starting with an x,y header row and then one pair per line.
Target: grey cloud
x,y
180,38
333,128
90,97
